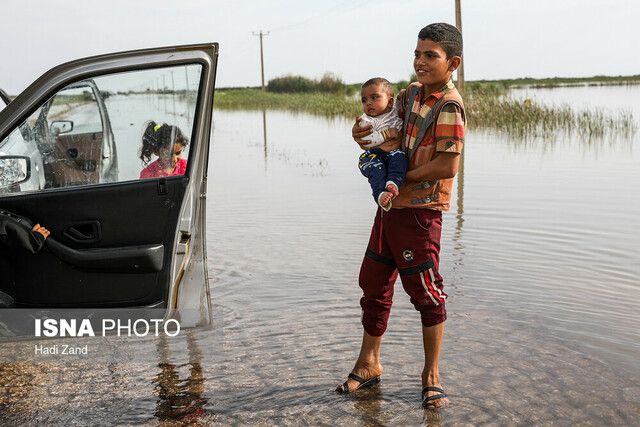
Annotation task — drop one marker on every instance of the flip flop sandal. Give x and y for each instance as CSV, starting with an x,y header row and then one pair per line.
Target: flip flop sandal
x,y
427,402
363,383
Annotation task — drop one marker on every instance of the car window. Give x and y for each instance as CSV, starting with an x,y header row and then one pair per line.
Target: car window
x,y
91,132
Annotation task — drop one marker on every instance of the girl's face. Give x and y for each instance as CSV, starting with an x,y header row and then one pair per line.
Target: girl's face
x,y
169,157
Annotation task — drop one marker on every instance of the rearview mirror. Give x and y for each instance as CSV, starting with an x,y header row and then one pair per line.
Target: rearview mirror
x,y
61,126
14,170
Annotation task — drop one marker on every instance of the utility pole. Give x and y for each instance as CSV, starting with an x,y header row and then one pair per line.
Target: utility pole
x,y
261,33
461,67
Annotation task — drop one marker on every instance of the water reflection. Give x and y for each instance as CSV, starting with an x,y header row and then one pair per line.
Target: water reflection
x,y
264,127
369,406
17,383
460,200
180,399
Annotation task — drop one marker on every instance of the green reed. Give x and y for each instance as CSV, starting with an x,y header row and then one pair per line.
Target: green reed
x,y
487,107
520,118
317,103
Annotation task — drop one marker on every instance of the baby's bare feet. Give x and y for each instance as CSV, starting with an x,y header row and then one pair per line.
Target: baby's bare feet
x,y
385,198
38,228
393,189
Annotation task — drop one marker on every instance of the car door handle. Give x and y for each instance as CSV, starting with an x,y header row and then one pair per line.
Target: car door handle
x,y
83,232
127,259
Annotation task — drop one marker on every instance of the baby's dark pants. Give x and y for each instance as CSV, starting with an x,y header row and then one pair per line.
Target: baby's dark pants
x,y
379,167
404,241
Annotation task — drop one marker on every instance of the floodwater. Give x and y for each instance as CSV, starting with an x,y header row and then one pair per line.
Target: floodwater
x,y
540,259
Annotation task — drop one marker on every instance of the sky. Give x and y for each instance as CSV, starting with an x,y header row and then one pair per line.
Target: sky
x,y
352,39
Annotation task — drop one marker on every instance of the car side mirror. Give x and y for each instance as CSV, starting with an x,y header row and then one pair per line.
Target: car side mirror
x,y
14,170
61,126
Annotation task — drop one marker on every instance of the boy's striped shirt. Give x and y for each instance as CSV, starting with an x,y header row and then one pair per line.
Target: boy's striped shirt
x,y
449,132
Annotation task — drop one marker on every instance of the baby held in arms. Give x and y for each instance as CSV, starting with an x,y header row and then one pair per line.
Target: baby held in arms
x,y
385,169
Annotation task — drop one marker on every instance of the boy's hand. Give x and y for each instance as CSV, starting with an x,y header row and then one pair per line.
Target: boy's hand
x,y
358,132
41,230
393,143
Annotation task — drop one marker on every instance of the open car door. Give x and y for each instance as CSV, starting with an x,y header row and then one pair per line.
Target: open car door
x,y
70,160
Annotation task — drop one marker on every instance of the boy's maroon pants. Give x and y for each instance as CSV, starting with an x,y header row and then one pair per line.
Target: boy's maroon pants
x,y
404,241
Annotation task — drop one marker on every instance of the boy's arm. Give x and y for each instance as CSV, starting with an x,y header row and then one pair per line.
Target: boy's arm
x,y
442,166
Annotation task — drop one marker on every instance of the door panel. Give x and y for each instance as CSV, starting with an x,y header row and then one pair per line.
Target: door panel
x,y
131,216
116,240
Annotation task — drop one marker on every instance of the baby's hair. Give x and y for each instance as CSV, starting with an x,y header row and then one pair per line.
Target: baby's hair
x,y
157,137
446,35
382,82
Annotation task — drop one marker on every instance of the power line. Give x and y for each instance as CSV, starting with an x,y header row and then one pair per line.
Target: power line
x,y
343,7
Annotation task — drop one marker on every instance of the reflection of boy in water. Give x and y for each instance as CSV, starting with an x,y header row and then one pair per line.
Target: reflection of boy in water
x,y
384,168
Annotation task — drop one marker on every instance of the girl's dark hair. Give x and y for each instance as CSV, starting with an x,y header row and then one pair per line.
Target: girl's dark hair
x,y
157,137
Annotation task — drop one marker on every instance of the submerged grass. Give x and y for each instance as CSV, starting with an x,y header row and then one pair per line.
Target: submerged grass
x,y
566,81
524,119
487,105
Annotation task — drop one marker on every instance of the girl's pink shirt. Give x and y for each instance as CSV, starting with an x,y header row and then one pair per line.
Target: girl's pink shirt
x,y
154,170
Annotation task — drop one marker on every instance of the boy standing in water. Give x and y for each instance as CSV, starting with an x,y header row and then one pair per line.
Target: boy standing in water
x,y
406,239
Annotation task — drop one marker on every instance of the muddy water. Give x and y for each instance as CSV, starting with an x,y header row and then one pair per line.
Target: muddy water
x,y
540,261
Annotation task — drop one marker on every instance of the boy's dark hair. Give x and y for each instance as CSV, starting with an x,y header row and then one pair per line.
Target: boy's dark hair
x,y
157,137
446,35
382,82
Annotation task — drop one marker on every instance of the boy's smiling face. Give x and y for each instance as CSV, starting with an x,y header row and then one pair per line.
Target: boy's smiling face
x,y
375,100
431,65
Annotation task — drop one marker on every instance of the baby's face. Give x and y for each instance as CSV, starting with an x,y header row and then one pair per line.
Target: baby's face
x,y
375,101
